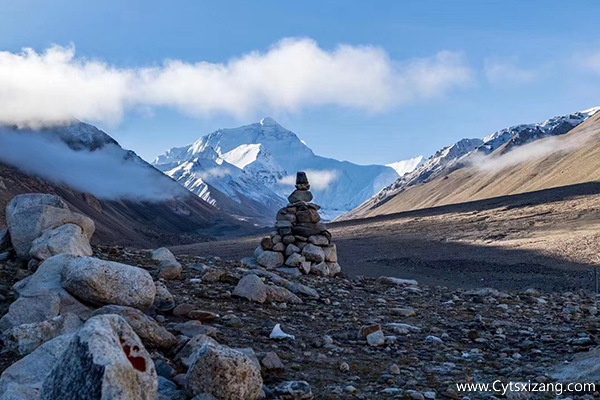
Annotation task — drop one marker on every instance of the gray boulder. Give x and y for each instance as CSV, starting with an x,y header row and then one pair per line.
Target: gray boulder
x,y
28,215
67,239
152,334
295,260
281,295
163,301
330,253
41,296
334,268
313,253
291,248
301,289
257,252
23,380
585,367
105,282
104,360
300,195
319,240
251,287
224,373
167,390
169,270
321,269
270,259
184,356
24,339
163,254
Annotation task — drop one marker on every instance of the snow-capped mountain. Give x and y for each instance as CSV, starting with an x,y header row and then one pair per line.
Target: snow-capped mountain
x,y
462,153
255,166
405,166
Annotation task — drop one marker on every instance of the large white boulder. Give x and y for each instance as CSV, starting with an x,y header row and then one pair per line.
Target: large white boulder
x,y
66,239
23,380
224,373
42,297
104,282
28,215
104,360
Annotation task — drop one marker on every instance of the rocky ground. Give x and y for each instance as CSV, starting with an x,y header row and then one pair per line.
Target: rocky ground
x,y
431,337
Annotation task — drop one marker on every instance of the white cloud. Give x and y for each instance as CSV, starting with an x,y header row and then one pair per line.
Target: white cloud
x,y
533,151
294,74
104,172
500,72
319,179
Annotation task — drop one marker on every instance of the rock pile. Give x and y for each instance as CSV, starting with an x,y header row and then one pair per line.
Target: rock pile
x,y
300,240
41,226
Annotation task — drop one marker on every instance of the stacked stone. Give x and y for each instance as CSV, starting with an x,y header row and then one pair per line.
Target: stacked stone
x,y
299,240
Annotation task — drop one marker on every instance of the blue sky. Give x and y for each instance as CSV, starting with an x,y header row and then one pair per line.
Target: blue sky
x,y
499,63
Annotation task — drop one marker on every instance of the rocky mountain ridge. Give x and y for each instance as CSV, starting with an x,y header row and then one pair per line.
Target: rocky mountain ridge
x,y
465,152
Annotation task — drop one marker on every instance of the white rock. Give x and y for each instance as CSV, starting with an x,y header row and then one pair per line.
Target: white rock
x,y
23,380
225,373
41,296
28,215
163,254
105,282
67,239
278,333
388,280
105,360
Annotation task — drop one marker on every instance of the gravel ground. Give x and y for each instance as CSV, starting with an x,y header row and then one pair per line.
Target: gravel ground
x,y
551,246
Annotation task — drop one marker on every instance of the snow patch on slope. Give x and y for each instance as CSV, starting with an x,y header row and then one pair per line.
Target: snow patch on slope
x,y
406,166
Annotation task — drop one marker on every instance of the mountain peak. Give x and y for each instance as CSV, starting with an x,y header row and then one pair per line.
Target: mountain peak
x,y
268,121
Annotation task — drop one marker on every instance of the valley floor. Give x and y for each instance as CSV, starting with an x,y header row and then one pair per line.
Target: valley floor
x,y
548,240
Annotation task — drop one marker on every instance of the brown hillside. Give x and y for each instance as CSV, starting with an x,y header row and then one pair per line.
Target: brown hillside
x,y
555,162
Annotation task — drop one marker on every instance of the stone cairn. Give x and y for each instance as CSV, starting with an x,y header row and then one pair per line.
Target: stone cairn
x,y
299,240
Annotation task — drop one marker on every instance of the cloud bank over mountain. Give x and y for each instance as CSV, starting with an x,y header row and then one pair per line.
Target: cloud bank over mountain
x,y
56,85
